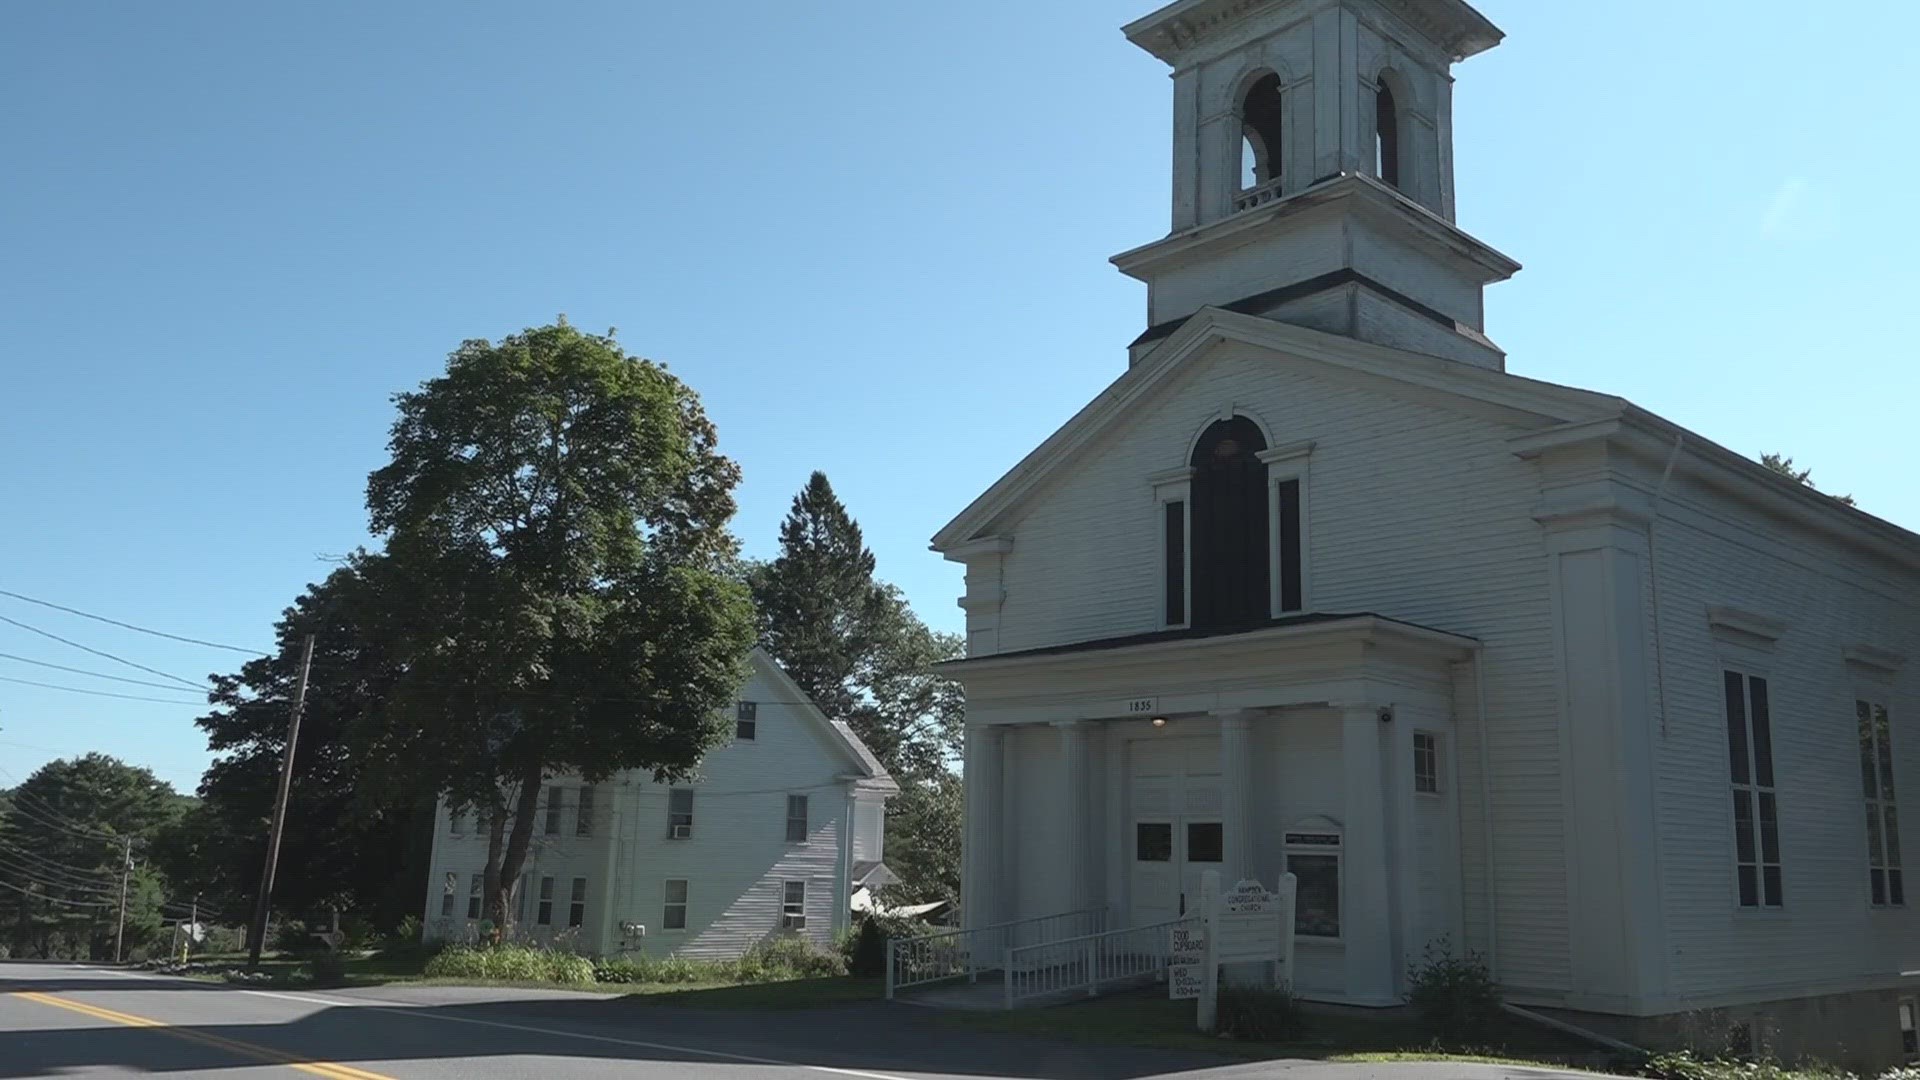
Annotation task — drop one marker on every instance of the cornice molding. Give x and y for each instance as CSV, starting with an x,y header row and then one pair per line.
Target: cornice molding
x,y
1175,30
1874,659
1752,624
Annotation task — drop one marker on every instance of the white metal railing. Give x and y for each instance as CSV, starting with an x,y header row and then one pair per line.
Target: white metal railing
x,y
1085,964
1257,196
952,954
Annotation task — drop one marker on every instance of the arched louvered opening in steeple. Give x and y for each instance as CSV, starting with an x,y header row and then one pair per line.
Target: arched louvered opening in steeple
x,y
1263,132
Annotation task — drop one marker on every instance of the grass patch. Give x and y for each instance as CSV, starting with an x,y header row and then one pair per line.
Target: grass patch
x,y
822,993
1147,1019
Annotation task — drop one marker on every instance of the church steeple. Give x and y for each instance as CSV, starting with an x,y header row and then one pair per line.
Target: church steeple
x,y
1313,171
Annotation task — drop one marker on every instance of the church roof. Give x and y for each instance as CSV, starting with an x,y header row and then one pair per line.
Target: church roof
x,y
1156,637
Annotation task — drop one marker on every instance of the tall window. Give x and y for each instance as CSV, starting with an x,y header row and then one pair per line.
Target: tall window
x,y
1176,568
1883,817
1909,1035
583,817
1426,763
1263,133
675,915
1756,814
1313,858
793,905
456,822
746,721
543,914
446,895
577,903
796,819
556,801
1287,511
474,888
1230,554
680,813
1386,125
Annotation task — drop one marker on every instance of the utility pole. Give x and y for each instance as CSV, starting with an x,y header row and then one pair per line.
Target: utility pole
x,y
193,924
126,869
264,898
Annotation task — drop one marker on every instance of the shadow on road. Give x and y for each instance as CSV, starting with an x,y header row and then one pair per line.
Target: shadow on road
x,y
367,1028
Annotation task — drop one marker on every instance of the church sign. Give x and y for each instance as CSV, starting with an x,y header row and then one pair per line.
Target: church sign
x,y
1247,924
1186,960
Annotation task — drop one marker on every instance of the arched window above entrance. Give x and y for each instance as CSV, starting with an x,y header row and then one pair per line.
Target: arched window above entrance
x,y
1230,555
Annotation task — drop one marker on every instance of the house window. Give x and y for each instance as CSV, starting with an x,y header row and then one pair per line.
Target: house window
x,y
746,721
1426,763
1229,555
520,894
1176,563
543,915
474,890
556,802
577,903
1883,817
583,818
1289,554
796,819
1314,861
457,822
446,895
1756,814
1909,1035
793,906
675,915
1205,842
1153,841
680,813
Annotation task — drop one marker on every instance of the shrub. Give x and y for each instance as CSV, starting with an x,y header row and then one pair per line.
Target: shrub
x,y
1260,1015
1686,1065
510,963
865,950
1456,994
330,970
789,957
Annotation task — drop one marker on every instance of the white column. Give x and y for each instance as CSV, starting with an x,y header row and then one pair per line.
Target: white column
x,y
1236,791
980,884
1366,920
1075,788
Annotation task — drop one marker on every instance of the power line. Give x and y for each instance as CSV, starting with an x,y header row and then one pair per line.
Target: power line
x,y
189,684
51,899
37,808
130,626
84,671
29,871
98,693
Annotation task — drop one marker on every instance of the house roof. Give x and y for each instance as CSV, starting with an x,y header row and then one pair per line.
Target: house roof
x,y
1568,414
869,771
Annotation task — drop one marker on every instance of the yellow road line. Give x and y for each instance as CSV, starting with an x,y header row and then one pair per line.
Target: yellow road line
x,y
330,1070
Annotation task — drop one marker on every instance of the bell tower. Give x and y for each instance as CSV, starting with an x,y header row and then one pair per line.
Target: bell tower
x,y
1313,171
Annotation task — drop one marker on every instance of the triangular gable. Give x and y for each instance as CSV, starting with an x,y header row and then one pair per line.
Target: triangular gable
x,y
1209,326
836,734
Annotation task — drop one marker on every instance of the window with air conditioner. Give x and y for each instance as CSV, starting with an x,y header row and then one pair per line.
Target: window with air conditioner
x,y
680,814
793,906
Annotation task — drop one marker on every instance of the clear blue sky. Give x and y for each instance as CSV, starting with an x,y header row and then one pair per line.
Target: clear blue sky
x,y
872,235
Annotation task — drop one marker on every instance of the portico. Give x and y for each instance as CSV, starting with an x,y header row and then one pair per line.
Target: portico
x,y
1112,774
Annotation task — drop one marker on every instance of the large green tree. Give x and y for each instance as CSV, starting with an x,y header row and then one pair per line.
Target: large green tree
x,y
556,588
857,649
347,845
64,837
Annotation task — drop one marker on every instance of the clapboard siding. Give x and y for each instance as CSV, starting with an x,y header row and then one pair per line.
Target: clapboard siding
x,y
735,863
1715,552
1418,509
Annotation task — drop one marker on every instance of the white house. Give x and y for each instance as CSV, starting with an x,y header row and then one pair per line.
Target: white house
x,y
773,836
1318,584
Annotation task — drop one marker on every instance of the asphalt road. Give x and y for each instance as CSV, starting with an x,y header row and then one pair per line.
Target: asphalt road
x,y
67,1020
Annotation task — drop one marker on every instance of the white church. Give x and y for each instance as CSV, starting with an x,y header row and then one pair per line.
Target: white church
x,y
1320,583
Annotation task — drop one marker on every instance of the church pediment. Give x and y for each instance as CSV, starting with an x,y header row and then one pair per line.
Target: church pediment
x,y
1198,339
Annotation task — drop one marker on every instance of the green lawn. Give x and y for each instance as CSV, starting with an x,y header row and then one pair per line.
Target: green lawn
x,y
290,971
1149,1019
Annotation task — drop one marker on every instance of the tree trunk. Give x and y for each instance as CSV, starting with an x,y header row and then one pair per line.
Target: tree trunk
x,y
499,906
504,866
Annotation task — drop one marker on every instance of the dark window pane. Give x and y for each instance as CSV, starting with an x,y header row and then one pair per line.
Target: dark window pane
x,y
1771,875
1290,582
1762,732
1317,901
1204,841
1876,849
1176,568
1883,740
1769,830
1878,880
1892,836
1153,841
1230,557
1736,728
1749,886
1869,778
676,917
1743,826
1896,889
